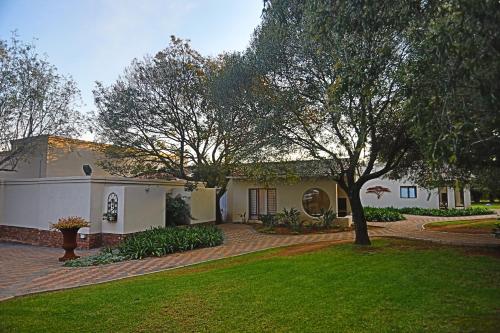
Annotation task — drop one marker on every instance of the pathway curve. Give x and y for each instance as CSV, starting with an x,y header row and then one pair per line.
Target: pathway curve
x,y
39,270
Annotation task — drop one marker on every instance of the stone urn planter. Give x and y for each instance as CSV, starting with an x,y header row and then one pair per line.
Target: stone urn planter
x,y
69,227
69,244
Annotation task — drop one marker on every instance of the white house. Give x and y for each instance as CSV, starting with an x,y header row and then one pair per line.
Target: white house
x,y
50,183
314,192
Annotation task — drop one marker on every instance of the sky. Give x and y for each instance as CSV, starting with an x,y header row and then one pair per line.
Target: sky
x,y
94,40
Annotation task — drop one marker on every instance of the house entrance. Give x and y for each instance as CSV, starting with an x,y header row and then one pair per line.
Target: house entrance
x,y
443,198
342,207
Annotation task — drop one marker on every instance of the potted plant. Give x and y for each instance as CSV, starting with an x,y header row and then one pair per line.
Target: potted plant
x,y
69,227
110,217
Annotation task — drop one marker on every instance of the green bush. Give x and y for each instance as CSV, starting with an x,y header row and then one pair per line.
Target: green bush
x,y
177,211
290,218
446,212
388,214
106,256
268,220
327,218
155,242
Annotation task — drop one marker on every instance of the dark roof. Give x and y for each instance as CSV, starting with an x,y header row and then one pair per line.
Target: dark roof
x,y
300,168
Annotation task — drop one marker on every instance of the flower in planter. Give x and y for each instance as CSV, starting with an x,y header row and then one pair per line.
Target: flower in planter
x,y
70,222
69,226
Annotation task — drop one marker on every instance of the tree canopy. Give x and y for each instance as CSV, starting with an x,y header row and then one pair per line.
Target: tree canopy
x,y
334,77
34,100
179,113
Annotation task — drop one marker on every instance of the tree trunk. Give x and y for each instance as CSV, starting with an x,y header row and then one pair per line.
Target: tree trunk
x,y
359,218
218,213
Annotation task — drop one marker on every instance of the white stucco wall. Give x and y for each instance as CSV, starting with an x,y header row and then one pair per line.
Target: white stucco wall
x,y
33,203
144,207
202,203
425,198
66,157
287,196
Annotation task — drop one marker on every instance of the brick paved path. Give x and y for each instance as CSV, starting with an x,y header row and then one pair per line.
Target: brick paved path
x,y
39,270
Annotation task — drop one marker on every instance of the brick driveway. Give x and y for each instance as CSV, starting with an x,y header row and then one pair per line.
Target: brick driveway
x,y
39,269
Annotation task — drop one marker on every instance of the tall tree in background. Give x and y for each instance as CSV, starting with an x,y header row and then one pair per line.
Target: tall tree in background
x,y
168,114
333,73
456,85
34,100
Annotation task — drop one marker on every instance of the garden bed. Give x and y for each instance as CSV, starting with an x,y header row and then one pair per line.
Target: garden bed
x,y
286,230
155,242
446,212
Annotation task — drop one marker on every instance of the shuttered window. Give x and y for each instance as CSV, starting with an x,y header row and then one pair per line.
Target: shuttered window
x,y
261,201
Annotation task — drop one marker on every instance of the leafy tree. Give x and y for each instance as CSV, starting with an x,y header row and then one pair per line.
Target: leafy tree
x,y
34,100
486,183
175,113
456,85
332,89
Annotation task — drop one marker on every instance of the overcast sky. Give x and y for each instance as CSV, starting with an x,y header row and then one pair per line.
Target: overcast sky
x,y
93,40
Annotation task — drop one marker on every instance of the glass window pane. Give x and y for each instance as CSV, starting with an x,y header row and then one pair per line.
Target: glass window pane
x,y
315,202
412,192
403,192
271,201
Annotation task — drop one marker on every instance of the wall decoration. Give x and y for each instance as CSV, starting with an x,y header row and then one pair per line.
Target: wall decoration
x,y
378,190
111,214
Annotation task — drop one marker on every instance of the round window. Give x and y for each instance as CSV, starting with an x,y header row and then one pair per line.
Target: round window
x,y
315,202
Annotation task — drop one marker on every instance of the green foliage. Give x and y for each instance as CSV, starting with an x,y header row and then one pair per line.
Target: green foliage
x,y
106,256
34,100
446,212
389,214
177,212
327,218
290,218
160,241
456,84
268,220
155,242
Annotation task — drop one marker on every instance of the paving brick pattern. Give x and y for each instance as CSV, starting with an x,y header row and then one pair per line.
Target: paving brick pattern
x,y
28,269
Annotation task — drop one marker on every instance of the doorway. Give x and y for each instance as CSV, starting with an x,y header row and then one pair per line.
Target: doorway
x,y
443,198
342,207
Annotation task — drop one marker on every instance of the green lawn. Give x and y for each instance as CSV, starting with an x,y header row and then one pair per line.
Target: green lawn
x,y
487,224
495,205
394,286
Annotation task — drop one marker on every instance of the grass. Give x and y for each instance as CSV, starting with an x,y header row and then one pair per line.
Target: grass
x,y
487,204
486,224
393,286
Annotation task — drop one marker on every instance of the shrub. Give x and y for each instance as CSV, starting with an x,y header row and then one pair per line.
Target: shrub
x,y
160,241
290,218
155,242
70,222
327,218
388,214
106,256
268,220
446,212
177,211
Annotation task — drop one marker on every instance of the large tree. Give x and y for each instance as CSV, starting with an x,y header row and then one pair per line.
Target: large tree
x,y
456,84
333,75
173,113
34,100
